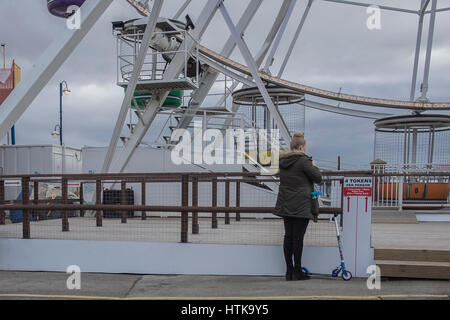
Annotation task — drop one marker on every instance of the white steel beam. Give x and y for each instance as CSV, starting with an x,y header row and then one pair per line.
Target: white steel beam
x,y
251,64
182,8
369,4
441,10
199,95
426,73
150,28
276,43
417,52
172,72
47,65
222,69
344,111
259,58
423,6
294,41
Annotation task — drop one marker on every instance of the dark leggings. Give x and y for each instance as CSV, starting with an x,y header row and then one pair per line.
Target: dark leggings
x,y
295,229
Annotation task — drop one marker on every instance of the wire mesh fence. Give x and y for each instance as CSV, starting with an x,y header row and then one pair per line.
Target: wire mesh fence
x,y
401,146
222,208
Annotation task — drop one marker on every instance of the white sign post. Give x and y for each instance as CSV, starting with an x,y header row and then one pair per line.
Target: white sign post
x,y
357,216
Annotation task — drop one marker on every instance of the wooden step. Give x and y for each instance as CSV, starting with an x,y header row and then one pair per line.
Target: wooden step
x,y
393,216
414,269
413,255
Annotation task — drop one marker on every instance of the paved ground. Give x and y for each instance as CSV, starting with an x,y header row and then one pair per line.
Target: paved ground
x,y
51,285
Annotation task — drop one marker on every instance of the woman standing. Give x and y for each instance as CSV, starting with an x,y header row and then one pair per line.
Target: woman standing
x,y
298,173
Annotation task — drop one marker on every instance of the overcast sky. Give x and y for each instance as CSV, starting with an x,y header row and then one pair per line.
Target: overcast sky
x,y
335,50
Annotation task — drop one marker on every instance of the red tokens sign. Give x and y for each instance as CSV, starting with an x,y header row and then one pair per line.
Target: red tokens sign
x,y
358,187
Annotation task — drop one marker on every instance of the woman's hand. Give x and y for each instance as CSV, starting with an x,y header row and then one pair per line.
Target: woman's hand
x,y
314,163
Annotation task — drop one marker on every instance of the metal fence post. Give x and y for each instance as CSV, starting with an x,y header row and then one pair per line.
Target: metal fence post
x,y
98,200
25,213
184,203
214,203
123,200
238,199
65,215
2,201
195,225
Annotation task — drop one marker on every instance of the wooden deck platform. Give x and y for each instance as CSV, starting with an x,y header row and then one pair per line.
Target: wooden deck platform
x,y
420,250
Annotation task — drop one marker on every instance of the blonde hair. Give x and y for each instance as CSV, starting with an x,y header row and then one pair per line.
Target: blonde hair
x,y
298,141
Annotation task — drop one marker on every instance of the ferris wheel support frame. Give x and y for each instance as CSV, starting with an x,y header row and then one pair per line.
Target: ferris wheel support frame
x,y
208,80
150,28
253,68
270,58
423,6
294,40
173,70
426,73
259,58
182,8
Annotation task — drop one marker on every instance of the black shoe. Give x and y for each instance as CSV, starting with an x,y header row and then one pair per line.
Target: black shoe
x,y
301,275
289,275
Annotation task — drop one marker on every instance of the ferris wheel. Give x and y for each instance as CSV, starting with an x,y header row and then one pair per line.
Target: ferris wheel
x,y
165,57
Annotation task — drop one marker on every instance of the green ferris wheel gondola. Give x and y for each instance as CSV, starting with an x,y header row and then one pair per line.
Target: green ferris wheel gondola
x,y
173,100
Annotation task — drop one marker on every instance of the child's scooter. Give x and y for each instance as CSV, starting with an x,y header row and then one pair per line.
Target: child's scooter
x,y
345,274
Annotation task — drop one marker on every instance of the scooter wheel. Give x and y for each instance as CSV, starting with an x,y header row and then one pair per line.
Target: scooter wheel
x,y
305,270
335,273
346,275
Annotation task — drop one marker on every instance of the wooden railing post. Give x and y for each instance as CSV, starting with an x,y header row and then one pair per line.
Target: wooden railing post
x,y
81,199
214,203
195,225
25,213
184,203
238,199
65,215
36,199
123,200
98,200
227,201
2,201
143,200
